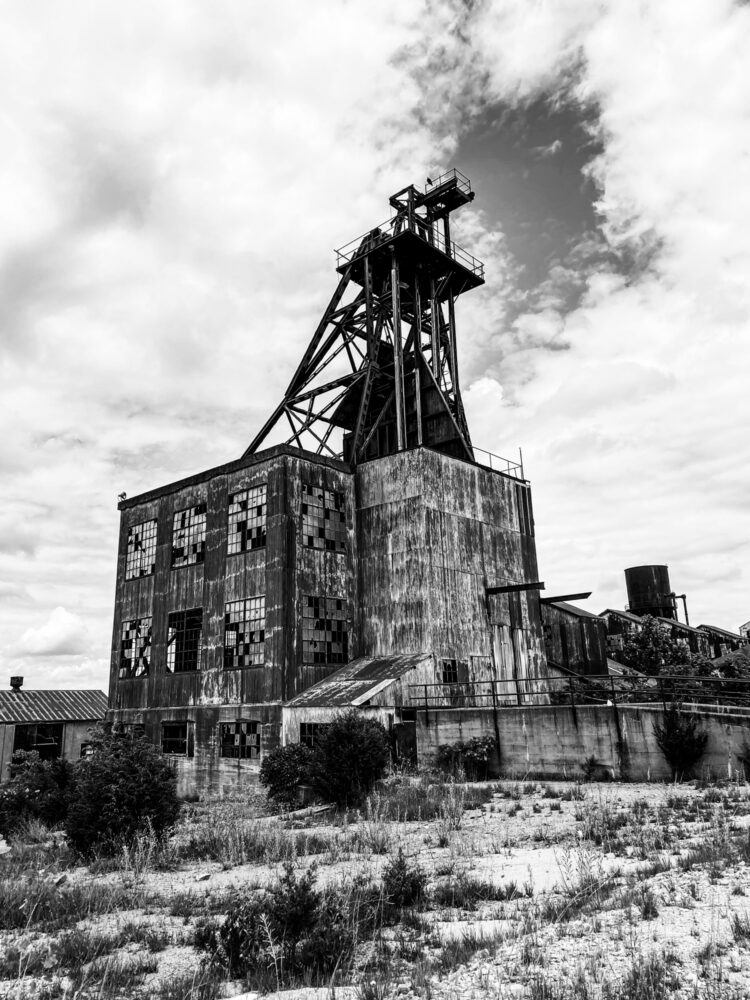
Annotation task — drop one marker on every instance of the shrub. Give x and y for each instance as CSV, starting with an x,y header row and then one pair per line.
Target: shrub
x,y
351,754
283,770
37,788
403,883
470,756
123,787
680,741
293,931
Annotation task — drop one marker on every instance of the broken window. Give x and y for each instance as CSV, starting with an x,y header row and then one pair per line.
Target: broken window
x,y
189,536
184,640
310,733
325,636
323,519
244,633
140,558
247,520
450,671
135,648
240,740
177,738
44,737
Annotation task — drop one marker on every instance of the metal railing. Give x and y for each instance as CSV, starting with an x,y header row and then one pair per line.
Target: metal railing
x,y
462,181
579,690
499,464
393,227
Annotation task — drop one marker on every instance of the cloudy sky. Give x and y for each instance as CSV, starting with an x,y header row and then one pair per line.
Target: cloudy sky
x,y
172,181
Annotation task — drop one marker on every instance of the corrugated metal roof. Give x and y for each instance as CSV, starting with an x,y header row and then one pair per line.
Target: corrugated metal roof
x,y
679,625
52,706
721,631
628,615
358,680
572,609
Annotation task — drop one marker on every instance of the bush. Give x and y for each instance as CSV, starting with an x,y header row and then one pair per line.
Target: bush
x,y
293,931
283,770
403,883
680,741
37,789
352,753
471,756
123,787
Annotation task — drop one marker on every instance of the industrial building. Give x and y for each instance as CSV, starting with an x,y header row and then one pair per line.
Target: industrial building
x,y
362,551
53,723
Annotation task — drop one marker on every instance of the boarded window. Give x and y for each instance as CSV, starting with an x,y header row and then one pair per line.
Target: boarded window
x,y
44,737
184,640
525,516
310,733
450,671
135,648
323,519
247,520
189,536
240,740
325,635
244,633
177,738
140,557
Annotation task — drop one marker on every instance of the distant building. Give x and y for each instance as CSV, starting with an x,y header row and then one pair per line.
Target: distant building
x,y
575,641
54,723
721,641
744,630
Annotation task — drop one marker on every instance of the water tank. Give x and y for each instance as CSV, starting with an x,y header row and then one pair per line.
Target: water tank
x,y
649,590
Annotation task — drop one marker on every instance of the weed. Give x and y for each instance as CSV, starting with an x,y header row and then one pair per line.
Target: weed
x,y
403,883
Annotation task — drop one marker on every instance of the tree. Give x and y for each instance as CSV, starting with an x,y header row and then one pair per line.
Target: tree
x,y
349,757
37,788
680,741
122,787
283,770
653,651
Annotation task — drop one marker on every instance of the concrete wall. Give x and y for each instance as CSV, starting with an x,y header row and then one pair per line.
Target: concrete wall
x,y
554,741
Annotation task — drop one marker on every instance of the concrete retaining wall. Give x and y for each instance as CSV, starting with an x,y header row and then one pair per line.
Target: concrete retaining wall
x,y
555,741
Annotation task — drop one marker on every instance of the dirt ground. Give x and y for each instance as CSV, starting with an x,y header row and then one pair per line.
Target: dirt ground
x,y
589,883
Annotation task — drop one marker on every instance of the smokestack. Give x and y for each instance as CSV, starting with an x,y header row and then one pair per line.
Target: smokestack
x,y
16,683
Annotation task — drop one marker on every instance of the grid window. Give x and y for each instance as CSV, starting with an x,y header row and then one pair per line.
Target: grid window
x,y
240,740
140,558
189,536
135,648
184,640
450,672
244,633
247,520
177,738
310,733
323,519
325,636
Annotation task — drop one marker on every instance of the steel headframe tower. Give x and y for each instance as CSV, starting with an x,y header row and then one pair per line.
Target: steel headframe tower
x,y
381,368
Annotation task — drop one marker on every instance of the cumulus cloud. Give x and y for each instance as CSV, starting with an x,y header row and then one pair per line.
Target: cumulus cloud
x,y
62,634
176,177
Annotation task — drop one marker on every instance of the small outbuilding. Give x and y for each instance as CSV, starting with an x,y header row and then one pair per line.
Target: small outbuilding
x,y
54,723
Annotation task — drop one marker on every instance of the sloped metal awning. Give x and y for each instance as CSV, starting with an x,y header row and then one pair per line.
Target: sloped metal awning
x,y
358,681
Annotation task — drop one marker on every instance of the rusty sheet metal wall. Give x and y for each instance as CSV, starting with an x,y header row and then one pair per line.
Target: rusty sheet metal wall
x,y
284,571
433,533
74,734
575,642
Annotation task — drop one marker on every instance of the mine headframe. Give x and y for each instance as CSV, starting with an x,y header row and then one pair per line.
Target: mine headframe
x,y
381,374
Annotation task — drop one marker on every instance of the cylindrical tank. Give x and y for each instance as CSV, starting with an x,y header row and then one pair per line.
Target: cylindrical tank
x,y
649,591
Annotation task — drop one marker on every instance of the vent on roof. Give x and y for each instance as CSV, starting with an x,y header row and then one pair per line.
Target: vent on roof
x,y
16,683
